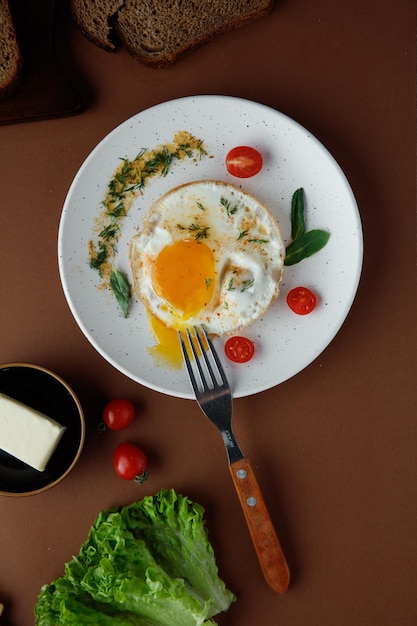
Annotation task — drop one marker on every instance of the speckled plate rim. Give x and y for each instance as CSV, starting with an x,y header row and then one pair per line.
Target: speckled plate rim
x,y
293,158
65,385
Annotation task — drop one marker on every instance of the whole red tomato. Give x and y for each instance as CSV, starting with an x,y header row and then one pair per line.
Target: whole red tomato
x,y
118,414
130,462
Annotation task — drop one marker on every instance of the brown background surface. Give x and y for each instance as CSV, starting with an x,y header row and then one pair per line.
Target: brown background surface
x,y
335,447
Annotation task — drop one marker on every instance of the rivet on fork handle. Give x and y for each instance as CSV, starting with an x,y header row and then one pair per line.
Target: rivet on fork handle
x,y
266,543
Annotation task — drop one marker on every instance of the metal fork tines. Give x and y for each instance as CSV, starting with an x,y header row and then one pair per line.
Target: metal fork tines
x,y
210,386
213,395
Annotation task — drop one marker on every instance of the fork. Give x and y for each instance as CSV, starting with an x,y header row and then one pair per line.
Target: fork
x,y
213,395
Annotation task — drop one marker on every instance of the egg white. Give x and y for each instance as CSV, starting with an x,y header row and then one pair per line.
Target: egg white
x,y
247,247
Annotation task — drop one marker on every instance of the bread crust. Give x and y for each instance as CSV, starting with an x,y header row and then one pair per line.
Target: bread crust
x,y
144,27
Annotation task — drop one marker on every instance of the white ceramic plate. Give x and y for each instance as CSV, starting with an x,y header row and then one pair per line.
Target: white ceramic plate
x,y
285,342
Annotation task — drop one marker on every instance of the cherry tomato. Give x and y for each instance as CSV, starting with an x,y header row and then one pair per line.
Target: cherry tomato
x,y
130,462
301,300
118,414
239,349
243,161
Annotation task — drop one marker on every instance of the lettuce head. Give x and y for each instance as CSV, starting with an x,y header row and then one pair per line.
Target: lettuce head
x,y
147,564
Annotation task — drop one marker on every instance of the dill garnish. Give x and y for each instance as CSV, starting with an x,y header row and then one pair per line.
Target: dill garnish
x,y
242,234
188,148
259,240
247,284
109,232
128,181
117,211
98,257
160,163
200,232
230,210
140,154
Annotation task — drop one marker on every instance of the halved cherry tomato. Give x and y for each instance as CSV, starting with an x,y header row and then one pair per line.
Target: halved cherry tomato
x,y
239,349
243,161
118,414
130,462
301,300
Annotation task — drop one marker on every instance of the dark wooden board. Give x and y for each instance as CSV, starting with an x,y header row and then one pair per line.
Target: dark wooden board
x,y
45,90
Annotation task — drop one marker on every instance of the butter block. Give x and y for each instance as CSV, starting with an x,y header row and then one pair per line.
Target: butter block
x,y
27,434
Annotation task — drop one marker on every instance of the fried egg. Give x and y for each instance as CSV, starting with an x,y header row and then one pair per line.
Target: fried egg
x,y
208,253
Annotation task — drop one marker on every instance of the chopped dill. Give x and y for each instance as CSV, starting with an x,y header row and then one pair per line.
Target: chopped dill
x,y
202,151
109,232
200,232
128,181
188,148
230,210
259,240
140,154
160,163
247,284
100,257
117,211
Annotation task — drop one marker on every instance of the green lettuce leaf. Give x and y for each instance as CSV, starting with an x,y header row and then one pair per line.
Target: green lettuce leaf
x,y
174,527
59,603
147,564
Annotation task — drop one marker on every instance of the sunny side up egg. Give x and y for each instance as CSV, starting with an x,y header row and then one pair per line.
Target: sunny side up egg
x,y
208,253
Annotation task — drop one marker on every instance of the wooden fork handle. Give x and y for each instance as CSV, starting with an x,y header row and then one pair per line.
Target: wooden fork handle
x,y
266,543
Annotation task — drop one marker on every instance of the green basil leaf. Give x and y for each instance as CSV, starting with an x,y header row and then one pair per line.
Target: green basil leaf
x,y
304,246
121,289
298,226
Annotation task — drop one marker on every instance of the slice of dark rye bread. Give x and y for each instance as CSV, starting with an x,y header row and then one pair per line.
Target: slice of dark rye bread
x,y
158,32
11,60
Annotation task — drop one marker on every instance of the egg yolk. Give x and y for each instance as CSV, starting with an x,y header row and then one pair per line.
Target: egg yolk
x,y
184,275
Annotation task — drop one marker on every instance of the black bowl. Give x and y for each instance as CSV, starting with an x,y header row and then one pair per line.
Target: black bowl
x,y
46,392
